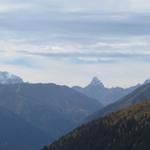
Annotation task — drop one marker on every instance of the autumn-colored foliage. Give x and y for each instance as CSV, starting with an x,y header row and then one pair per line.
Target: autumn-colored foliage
x,y
127,129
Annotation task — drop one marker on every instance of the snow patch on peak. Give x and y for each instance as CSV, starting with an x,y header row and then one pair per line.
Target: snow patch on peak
x,y
8,78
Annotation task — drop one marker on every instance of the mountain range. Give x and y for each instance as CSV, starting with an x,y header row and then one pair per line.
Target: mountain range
x,y
52,109
140,94
104,95
33,115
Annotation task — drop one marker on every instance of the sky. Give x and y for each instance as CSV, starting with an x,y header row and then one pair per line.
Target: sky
x,y
70,41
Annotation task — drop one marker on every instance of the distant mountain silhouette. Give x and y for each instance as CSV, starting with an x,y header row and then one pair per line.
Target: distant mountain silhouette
x,y
140,94
97,90
127,129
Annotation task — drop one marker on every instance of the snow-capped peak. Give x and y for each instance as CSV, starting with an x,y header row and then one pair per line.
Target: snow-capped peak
x,y
8,78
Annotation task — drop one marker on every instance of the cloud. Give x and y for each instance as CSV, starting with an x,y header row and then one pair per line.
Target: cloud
x,y
23,62
106,50
84,5
75,39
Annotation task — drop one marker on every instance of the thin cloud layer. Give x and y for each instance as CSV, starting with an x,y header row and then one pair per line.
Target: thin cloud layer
x,y
78,35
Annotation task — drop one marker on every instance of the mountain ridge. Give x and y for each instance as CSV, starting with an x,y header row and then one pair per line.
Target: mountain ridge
x,y
104,95
52,108
138,95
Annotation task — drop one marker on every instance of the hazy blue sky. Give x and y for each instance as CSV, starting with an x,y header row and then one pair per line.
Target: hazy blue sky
x,y
70,41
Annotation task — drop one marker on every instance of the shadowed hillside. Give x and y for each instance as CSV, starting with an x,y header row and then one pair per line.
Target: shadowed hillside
x,y
53,109
127,129
18,134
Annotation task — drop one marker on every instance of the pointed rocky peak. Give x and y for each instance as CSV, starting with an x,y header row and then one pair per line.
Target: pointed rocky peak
x,y
96,82
8,78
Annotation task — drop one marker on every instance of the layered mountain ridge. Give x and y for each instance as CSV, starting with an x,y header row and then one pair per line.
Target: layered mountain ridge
x,y
49,111
104,95
140,94
53,109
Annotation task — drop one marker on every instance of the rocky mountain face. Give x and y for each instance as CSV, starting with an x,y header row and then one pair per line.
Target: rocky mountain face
x,y
127,129
8,78
97,90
